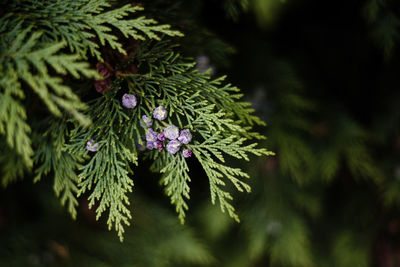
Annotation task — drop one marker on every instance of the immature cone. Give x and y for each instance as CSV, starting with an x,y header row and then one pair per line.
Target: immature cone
x,y
187,153
151,135
129,101
150,145
104,69
161,136
160,113
102,86
148,122
158,145
154,145
185,136
91,145
173,146
171,132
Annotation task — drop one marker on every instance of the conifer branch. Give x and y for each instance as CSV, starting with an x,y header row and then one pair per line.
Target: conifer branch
x,y
46,49
52,156
175,179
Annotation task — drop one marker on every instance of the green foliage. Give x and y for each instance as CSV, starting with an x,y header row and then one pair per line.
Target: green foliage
x,y
330,197
30,66
348,251
40,243
52,155
79,22
204,108
292,123
8,160
279,227
295,132
31,49
293,247
47,51
384,24
12,119
234,7
193,101
108,170
198,40
292,218
266,11
175,180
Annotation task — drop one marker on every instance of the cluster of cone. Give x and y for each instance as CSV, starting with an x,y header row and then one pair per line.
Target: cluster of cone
x,y
171,137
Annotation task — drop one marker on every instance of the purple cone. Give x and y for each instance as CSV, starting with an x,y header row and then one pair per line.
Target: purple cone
x,y
161,136
160,113
187,153
151,136
173,146
185,136
148,122
91,145
129,101
171,132
158,145
154,145
150,145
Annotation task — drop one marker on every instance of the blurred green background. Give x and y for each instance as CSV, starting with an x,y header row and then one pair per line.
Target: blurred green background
x,y
325,77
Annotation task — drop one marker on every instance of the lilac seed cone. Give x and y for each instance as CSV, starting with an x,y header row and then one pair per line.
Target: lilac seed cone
x,y
173,146
187,153
129,101
148,122
161,136
150,145
185,136
151,135
91,145
158,145
160,113
171,132
154,145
